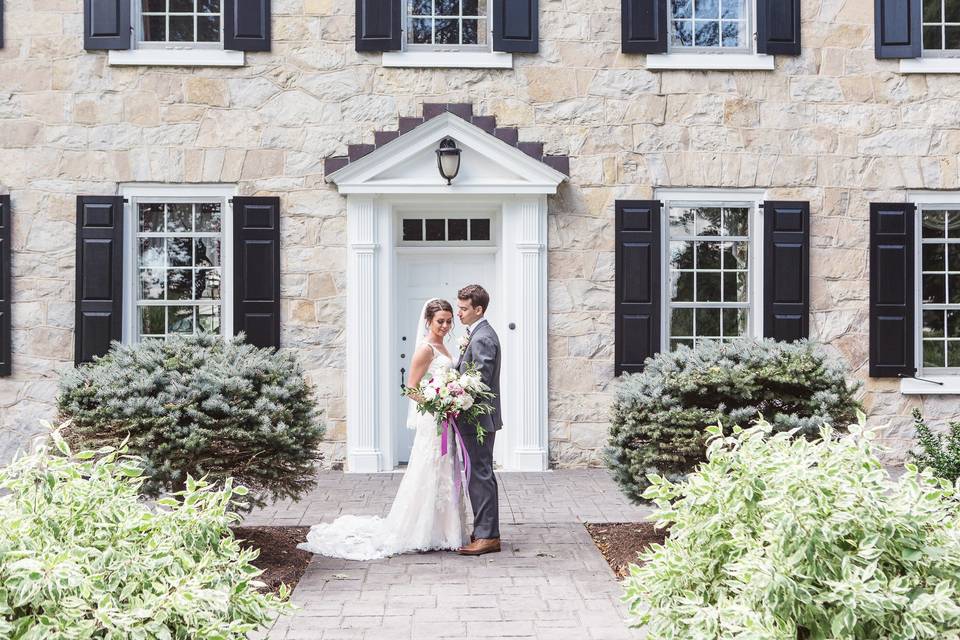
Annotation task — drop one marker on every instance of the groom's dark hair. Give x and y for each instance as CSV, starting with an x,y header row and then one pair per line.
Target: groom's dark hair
x,y
477,296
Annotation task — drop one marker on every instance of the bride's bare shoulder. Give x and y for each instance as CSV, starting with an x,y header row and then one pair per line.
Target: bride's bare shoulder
x,y
424,353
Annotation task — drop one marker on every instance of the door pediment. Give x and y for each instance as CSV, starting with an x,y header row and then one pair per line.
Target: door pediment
x,y
408,164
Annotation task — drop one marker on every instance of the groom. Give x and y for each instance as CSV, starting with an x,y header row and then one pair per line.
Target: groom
x,y
483,352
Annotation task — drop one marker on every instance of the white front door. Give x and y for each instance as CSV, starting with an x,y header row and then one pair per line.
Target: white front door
x,y
433,272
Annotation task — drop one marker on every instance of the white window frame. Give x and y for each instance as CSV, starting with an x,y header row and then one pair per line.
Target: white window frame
x,y
932,381
464,211
715,58
180,54
931,60
460,214
715,197
135,192
447,56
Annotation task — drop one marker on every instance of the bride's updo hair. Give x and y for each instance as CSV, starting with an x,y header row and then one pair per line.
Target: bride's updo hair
x,y
434,307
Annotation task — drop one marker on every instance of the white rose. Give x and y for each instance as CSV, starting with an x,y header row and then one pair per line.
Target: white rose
x,y
430,392
466,401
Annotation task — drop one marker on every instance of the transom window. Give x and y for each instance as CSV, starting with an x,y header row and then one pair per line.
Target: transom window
x,y
446,230
941,27
940,286
447,25
179,268
186,22
710,25
708,272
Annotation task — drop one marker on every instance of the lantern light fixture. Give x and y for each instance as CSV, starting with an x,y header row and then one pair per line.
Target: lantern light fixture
x,y
448,159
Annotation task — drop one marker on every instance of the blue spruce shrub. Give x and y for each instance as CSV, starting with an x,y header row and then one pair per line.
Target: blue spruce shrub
x,y
660,415
200,406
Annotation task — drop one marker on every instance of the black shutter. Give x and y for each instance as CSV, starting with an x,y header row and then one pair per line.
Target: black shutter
x,y
246,25
897,28
643,24
516,26
1,24
256,270
778,27
637,283
106,24
891,290
99,301
786,272
378,25
6,220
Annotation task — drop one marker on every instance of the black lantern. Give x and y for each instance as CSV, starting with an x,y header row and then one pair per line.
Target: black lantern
x,y
448,159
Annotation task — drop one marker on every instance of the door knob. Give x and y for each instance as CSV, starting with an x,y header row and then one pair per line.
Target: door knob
x,y
403,373
512,326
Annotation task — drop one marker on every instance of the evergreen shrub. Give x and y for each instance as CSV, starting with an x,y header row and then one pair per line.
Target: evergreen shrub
x,y
781,538
202,406
660,415
82,556
940,452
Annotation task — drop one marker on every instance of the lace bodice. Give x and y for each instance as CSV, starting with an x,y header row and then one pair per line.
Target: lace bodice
x,y
439,364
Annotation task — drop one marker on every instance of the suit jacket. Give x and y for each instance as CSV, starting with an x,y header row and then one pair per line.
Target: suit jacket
x,y
483,351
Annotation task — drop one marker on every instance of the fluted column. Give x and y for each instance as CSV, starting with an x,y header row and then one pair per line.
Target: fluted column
x,y
363,284
532,443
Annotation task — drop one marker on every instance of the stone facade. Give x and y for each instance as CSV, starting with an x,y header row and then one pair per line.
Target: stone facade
x,y
833,126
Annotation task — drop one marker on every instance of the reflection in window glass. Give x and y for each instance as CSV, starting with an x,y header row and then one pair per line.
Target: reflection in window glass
x,y
179,267
709,273
940,287
447,23
708,24
180,21
445,229
941,27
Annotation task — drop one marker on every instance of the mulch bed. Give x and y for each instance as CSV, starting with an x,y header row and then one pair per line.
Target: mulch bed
x,y
620,542
279,557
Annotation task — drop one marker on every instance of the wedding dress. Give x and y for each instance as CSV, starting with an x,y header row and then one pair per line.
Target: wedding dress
x,y
428,513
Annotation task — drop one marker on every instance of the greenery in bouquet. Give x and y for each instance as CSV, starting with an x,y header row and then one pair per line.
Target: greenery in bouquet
x,y
454,396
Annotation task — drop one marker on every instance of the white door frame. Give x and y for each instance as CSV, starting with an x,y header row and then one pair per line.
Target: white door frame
x,y
371,332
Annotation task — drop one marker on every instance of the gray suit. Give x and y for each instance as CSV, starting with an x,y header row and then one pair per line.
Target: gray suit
x,y
483,352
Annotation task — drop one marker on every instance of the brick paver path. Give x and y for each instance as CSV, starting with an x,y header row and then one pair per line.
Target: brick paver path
x,y
548,583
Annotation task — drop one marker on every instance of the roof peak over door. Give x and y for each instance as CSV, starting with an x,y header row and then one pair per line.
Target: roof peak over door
x,y
404,161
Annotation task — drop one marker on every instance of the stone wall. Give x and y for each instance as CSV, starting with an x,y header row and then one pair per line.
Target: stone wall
x,y
833,126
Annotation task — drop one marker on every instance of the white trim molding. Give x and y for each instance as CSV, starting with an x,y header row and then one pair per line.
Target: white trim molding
x,y
408,165
134,191
401,177
710,61
197,57
448,59
751,197
930,65
932,380
931,385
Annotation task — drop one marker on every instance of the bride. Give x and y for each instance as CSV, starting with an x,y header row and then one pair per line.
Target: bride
x,y
430,509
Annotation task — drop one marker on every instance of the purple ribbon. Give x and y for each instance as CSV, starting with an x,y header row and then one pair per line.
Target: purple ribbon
x,y
447,423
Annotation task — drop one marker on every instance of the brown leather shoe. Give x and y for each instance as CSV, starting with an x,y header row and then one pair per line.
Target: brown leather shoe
x,y
481,546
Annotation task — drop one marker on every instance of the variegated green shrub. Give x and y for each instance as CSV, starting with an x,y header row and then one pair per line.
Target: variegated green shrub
x,y
81,556
781,538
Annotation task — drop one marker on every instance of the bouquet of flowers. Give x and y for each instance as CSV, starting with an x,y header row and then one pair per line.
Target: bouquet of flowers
x,y
454,397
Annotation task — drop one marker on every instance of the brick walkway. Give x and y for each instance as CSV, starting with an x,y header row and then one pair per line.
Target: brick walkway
x,y
548,583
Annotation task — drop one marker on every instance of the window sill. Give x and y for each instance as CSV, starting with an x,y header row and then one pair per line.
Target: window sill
x,y
177,57
449,59
710,61
950,385
930,65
